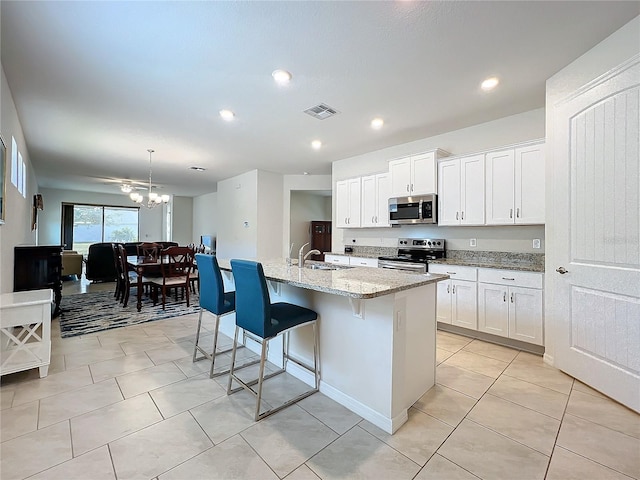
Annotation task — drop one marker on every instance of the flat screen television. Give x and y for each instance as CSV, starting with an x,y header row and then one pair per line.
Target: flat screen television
x,y
209,241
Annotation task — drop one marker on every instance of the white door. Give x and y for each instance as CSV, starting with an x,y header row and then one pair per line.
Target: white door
x,y
449,192
383,192
400,170
493,309
354,203
525,314
443,309
465,304
594,235
424,173
500,194
529,185
472,190
369,201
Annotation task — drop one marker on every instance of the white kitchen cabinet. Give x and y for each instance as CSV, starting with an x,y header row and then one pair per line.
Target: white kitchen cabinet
x,y
457,297
375,200
337,259
348,203
350,260
461,191
416,174
510,304
515,186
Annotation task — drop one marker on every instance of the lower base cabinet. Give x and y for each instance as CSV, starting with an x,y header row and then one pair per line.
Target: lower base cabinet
x,y
508,309
457,297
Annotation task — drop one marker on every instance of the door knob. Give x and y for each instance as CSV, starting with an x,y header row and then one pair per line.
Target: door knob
x,y
562,270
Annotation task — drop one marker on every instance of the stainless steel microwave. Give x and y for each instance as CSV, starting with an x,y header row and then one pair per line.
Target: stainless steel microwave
x,y
413,210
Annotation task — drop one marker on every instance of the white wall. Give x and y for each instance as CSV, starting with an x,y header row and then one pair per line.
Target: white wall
x,y
504,131
50,219
17,227
182,218
270,218
237,214
299,183
205,216
306,207
611,52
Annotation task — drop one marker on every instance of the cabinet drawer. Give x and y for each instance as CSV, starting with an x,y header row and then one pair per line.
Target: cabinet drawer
x,y
363,262
510,277
339,259
456,272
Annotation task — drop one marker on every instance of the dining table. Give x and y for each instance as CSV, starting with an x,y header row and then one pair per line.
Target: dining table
x,y
144,266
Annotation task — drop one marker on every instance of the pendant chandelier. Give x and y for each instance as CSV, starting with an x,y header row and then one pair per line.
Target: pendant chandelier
x,y
153,199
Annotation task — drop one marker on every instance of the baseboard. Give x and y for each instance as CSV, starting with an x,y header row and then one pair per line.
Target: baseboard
x,y
389,425
548,359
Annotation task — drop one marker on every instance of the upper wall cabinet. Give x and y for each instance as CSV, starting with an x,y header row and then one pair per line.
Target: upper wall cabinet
x,y
461,191
348,203
375,200
515,186
415,175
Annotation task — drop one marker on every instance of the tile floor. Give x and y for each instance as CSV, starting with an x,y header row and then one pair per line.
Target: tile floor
x,y
129,403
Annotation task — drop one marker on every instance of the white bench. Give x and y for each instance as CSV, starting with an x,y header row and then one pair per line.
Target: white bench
x,y
25,331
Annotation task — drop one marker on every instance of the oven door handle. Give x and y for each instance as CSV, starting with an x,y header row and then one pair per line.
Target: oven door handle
x,y
412,267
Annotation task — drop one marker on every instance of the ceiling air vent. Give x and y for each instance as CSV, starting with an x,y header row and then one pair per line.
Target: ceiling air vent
x,y
321,111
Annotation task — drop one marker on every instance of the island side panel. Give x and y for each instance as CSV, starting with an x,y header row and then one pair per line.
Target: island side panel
x,y
414,347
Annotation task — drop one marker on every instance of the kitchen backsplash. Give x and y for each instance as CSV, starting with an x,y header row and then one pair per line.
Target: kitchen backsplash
x,y
508,258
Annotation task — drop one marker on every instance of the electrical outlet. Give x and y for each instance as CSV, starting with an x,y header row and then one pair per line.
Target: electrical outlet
x,y
536,243
472,242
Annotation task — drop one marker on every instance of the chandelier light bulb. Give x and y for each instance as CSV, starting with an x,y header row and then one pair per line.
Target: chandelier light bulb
x,y
153,198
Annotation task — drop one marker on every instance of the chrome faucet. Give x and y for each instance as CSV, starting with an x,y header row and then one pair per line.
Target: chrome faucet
x,y
302,257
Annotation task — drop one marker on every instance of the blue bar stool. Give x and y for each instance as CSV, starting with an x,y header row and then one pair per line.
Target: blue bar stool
x,y
213,299
263,321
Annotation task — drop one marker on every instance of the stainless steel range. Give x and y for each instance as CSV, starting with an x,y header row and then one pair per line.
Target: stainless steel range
x,y
414,254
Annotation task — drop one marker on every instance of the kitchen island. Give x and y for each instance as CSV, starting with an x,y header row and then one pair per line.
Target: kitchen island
x,y
377,334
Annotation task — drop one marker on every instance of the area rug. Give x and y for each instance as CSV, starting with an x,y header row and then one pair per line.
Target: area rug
x,y
94,312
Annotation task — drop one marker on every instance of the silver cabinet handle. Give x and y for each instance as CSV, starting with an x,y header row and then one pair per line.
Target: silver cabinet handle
x,y
412,187
504,296
448,288
511,213
562,270
512,298
518,212
505,278
451,273
407,187
454,289
463,215
457,216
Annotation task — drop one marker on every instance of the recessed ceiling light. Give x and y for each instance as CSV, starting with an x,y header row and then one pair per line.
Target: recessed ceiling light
x,y
282,77
316,144
197,169
377,123
305,173
227,115
490,83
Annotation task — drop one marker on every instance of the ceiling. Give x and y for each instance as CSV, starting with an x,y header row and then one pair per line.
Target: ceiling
x,y
98,83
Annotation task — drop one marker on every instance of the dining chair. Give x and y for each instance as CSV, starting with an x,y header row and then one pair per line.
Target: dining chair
x,y
118,265
213,299
148,249
264,321
127,278
176,266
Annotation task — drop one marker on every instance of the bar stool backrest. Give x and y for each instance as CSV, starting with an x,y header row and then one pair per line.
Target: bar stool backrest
x,y
211,284
253,305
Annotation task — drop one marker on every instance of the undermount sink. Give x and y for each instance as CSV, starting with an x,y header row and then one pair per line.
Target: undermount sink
x,y
326,266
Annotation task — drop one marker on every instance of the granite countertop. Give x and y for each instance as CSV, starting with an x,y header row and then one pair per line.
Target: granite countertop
x,y
523,267
355,282
524,262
